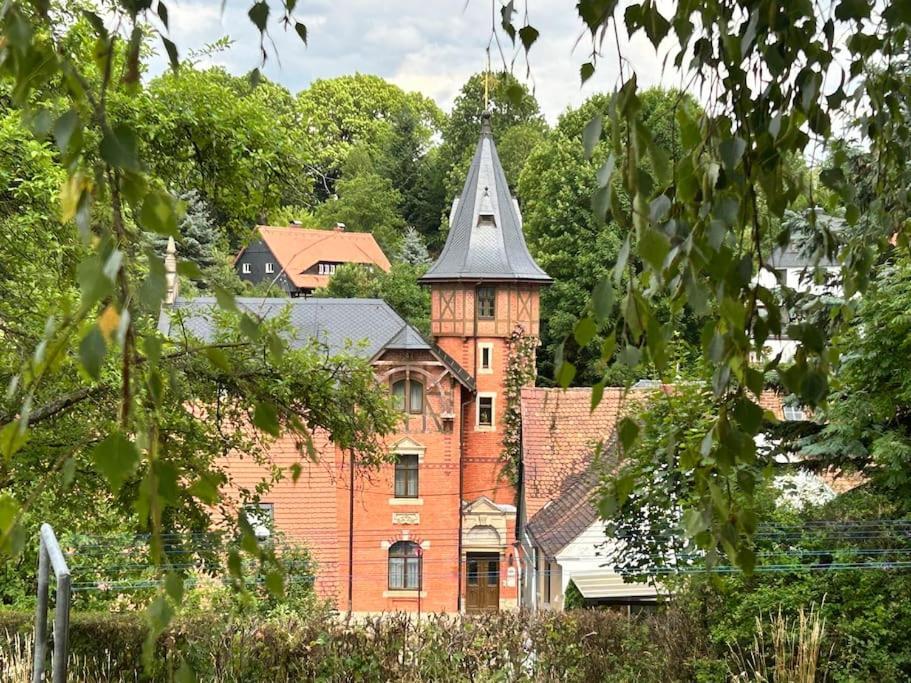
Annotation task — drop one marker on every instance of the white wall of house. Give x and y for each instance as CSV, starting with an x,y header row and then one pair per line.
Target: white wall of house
x,y
585,554
801,280
583,559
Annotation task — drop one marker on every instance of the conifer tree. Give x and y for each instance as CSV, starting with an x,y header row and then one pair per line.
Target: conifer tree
x,y
413,249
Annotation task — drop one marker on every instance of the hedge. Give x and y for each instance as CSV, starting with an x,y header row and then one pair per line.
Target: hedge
x,y
575,646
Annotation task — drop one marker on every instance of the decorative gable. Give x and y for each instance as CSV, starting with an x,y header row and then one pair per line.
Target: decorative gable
x,y
409,445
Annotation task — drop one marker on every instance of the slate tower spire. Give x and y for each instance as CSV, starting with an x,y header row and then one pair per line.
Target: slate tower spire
x,y
484,284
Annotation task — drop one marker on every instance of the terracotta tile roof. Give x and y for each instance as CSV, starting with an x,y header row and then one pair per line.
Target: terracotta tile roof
x,y
298,249
560,522
560,433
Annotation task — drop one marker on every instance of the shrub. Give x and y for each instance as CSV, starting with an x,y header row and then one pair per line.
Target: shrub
x,y
583,645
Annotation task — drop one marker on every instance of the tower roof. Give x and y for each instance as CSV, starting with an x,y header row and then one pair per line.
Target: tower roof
x,y
485,239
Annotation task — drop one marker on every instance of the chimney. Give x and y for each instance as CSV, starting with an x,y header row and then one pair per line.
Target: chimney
x,y
172,282
339,227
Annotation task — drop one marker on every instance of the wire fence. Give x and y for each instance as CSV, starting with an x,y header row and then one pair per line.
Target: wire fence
x,y
122,562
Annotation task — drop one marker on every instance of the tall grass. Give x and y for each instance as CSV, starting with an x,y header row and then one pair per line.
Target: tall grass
x,y
16,663
783,650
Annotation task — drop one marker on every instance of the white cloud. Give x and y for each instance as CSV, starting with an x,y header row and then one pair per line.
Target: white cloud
x,y
429,46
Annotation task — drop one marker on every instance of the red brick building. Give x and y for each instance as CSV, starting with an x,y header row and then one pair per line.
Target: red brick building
x,y
436,530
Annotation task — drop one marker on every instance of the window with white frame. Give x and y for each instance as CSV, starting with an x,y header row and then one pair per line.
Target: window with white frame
x,y
261,518
270,267
245,268
794,413
327,268
485,411
485,357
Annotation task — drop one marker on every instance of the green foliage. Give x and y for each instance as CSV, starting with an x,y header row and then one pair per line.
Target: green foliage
x,y
413,250
199,238
343,112
367,202
576,246
649,503
867,423
105,424
312,645
865,614
411,165
399,288
213,133
574,598
696,222
520,372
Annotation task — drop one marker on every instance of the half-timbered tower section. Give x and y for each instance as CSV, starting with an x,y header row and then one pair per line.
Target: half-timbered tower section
x,y
485,284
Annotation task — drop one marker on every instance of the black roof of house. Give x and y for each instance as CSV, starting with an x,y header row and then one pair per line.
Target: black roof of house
x,y
485,240
364,327
799,253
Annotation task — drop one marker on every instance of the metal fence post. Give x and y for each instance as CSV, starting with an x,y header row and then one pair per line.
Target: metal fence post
x,y
50,556
41,614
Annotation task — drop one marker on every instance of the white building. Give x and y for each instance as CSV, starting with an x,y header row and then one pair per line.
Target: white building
x,y
797,269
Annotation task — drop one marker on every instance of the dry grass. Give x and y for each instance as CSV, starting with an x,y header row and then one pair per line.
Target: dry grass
x,y
783,651
16,663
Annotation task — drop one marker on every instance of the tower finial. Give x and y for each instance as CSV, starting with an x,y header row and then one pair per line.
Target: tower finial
x,y
487,83
485,123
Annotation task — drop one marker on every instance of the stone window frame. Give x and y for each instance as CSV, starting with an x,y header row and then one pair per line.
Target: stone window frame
x,y
410,472
399,552
482,346
492,395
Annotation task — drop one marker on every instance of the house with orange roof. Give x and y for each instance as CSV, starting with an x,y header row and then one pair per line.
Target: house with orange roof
x,y
566,447
439,528
300,260
566,450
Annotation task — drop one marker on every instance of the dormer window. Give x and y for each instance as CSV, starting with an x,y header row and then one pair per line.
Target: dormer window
x,y
327,268
486,220
486,216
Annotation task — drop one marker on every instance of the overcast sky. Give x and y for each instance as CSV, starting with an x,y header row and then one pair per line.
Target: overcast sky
x,y
427,45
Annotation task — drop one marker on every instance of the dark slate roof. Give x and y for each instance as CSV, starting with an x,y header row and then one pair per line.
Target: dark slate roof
x,y
559,523
799,253
460,373
362,326
475,249
407,339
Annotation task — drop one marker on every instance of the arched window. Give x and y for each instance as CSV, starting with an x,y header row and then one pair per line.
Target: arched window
x,y
409,396
405,566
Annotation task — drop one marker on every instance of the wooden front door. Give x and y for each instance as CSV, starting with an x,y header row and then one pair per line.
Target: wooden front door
x,y
483,582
